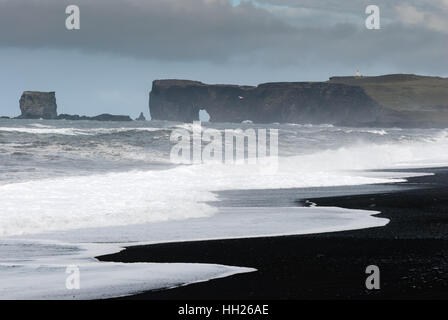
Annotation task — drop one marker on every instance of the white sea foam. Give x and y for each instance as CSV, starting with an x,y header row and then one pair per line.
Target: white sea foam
x,y
40,125
380,132
44,276
46,260
182,192
227,223
138,196
42,129
309,125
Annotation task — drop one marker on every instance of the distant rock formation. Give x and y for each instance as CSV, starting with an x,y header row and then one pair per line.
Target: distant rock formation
x,y
101,117
391,100
4,117
111,117
141,117
36,105
295,102
42,105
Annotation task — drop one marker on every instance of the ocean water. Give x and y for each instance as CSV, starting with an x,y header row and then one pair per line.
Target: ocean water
x,y
70,191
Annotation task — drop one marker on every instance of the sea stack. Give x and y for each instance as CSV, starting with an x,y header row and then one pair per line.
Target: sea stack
x,y
141,117
37,105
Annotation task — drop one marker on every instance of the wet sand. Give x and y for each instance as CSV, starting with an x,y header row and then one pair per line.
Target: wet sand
x,y
411,252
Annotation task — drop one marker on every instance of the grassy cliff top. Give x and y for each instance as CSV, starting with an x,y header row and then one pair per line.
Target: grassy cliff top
x,y
403,92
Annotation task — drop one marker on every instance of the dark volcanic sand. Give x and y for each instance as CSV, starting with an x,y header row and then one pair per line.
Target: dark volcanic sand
x,y
411,251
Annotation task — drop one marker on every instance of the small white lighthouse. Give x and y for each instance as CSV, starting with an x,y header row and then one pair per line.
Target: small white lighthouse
x,y
358,74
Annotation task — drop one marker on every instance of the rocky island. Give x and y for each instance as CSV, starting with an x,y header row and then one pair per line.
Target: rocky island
x,y
389,100
42,105
38,105
101,117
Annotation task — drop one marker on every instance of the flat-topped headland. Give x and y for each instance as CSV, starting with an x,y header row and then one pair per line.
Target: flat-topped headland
x,y
390,100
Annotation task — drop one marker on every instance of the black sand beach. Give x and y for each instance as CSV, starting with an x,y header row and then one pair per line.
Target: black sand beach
x,y
411,252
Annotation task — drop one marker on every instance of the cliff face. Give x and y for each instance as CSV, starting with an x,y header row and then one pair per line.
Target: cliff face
x,y
36,105
297,102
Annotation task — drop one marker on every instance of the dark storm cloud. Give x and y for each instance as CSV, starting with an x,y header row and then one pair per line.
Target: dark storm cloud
x,y
162,29
214,30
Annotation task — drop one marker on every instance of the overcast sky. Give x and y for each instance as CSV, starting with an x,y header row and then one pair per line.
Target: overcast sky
x,y
123,45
